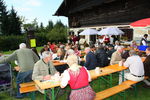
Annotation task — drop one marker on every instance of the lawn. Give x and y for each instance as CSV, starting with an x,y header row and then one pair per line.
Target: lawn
x,y
142,93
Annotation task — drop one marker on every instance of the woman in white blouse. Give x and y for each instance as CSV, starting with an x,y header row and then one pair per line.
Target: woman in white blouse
x,y
78,78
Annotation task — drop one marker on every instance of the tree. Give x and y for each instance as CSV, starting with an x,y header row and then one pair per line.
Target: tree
x,y
33,25
4,21
15,23
50,26
41,26
59,24
58,33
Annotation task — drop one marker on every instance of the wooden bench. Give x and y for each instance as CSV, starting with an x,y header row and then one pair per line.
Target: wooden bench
x,y
111,91
27,84
129,82
116,89
28,89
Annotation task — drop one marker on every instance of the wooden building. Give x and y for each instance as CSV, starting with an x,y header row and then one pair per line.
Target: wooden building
x,y
100,14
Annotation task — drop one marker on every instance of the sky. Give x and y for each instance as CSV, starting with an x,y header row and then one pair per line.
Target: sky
x,y
43,10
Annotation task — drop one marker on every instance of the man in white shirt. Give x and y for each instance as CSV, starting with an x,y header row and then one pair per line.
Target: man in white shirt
x,y
136,67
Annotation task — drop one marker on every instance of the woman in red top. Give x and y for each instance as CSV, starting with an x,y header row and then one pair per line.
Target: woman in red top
x,y
78,78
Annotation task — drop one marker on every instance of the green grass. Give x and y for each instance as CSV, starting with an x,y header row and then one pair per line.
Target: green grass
x,y
143,93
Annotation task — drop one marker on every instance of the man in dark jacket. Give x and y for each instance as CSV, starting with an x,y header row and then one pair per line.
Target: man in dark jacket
x,y
110,51
102,57
91,61
147,66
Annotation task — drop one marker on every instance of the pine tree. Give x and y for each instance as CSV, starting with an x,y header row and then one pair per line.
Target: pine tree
x,y
50,26
4,21
15,24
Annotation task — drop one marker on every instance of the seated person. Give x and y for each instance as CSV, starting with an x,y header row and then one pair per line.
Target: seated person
x,y
133,45
90,59
117,44
135,65
147,66
59,55
110,51
45,48
116,56
102,57
80,90
44,68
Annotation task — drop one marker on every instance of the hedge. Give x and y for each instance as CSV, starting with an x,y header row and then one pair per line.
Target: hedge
x,y
10,42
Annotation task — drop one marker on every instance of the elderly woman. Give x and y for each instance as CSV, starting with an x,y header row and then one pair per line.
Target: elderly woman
x,y
78,78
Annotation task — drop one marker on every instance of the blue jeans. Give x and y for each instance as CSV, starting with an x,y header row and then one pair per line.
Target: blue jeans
x,y
21,78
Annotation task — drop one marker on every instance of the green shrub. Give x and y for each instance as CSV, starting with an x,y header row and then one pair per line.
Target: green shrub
x,y
10,42
41,39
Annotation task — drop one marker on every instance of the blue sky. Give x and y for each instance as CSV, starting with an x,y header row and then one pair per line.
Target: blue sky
x,y
40,9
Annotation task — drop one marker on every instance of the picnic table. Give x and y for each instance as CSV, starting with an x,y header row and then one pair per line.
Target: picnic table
x,y
51,84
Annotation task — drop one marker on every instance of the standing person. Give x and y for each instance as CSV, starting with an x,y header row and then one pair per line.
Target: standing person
x,y
78,78
135,65
144,40
26,59
147,66
90,61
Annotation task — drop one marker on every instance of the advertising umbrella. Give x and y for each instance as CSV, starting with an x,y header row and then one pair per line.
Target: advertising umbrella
x,y
110,31
89,32
141,23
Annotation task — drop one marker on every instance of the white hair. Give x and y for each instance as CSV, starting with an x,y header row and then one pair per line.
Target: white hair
x,y
119,48
46,54
132,52
22,45
70,52
72,59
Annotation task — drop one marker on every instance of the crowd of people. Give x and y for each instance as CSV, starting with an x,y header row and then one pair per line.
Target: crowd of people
x,y
39,66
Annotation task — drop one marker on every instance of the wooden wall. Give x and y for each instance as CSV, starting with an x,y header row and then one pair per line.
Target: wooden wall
x,y
118,11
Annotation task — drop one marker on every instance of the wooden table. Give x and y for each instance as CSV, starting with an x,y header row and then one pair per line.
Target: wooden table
x,y
105,71
48,85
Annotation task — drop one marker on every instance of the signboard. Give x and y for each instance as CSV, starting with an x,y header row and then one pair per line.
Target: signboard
x,y
32,43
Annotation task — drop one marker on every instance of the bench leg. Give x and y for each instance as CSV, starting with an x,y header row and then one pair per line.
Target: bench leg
x,y
45,94
135,90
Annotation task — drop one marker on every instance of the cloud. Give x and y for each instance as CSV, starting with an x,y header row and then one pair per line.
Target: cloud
x,y
33,2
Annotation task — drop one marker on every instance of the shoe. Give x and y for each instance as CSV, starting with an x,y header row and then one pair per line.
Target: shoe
x,y
19,97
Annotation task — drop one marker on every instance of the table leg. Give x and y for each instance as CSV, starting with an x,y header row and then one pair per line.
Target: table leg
x,y
45,94
53,94
110,77
123,76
